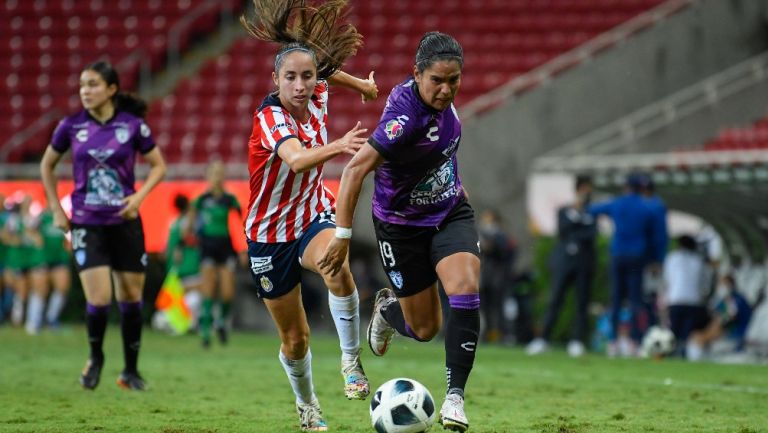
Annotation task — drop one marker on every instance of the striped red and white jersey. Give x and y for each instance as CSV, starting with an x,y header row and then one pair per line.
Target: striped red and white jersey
x,y
282,203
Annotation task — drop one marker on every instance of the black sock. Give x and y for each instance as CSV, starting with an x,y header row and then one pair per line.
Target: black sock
x,y
130,325
461,336
96,323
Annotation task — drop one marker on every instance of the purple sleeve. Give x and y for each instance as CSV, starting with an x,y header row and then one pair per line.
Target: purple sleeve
x,y
144,141
60,141
393,132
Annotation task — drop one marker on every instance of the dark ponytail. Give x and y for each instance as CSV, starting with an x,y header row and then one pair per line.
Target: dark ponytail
x,y
128,102
436,46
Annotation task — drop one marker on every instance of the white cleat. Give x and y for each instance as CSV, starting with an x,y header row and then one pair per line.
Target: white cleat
x,y
356,385
452,415
576,349
537,347
311,417
379,331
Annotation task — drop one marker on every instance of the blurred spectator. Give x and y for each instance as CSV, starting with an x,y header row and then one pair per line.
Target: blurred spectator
x,y
731,314
182,253
218,256
497,251
684,289
6,292
574,263
657,246
633,222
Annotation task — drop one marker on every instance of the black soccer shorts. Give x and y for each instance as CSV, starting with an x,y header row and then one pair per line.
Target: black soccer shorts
x,y
410,254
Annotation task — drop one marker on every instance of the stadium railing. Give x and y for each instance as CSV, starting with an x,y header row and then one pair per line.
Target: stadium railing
x,y
664,112
568,60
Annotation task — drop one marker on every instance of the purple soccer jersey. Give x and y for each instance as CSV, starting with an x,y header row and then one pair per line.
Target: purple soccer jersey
x,y
103,159
418,184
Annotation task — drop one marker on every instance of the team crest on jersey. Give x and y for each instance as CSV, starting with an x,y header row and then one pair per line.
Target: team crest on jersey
x,y
82,135
260,265
122,135
393,129
266,283
397,278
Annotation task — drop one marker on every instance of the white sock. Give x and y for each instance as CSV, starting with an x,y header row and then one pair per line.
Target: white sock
x,y
346,316
35,307
299,373
17,312
693,351
55,305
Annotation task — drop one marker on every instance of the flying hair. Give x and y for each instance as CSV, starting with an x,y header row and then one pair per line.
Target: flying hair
x,y
298,25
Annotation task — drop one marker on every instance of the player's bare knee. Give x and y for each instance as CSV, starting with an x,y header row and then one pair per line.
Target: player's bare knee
x,y
464,286
296,344
426,332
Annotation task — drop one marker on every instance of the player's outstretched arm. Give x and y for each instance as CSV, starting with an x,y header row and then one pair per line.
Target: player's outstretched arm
x,y
301,159
365,87
364,162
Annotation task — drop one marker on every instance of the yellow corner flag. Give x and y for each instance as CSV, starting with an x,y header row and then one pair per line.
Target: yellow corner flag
x,y
170,301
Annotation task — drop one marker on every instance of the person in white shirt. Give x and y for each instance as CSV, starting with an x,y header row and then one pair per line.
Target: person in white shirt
x,y
683,276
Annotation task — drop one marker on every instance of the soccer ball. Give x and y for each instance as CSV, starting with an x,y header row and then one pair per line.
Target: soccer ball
x,y
658,342
402,406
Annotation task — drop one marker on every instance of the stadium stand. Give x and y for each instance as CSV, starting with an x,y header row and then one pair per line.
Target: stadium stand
x,y
754,136
529,33
45,44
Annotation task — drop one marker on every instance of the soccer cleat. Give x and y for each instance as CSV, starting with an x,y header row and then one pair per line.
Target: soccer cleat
x,y
452,415
576,349
89,378
356,385
379,331
311,417
131,381
223,335
537,347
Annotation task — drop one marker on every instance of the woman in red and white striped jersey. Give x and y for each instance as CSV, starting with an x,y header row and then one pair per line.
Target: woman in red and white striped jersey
x,y
291,215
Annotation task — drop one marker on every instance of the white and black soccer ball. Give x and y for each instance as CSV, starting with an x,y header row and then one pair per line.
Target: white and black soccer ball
x,y
402,405
658,342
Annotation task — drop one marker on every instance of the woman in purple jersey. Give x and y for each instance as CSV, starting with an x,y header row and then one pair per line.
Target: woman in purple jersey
x,y
424,225
107,234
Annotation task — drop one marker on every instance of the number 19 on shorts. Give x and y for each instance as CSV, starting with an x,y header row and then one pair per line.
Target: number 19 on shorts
x,y
387,257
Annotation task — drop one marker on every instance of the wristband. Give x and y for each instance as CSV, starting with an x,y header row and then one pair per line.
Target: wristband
x,y
343,233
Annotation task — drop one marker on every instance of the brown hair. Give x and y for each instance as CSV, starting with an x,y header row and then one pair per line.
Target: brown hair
x,y
299,26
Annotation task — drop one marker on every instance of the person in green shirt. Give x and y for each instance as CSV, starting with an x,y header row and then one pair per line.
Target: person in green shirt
x,y
6,290
182,253
25,257
57,258
218,258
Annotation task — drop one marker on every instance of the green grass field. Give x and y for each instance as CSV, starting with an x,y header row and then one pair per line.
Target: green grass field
x,y
242,388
